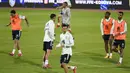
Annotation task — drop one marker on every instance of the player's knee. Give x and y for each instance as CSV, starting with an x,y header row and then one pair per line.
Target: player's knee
x,y
61,66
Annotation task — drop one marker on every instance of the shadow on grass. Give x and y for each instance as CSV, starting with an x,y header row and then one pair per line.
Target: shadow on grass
x,y
3,52
98,57
18,60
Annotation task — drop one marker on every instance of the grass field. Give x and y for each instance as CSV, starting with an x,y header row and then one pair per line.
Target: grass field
x,y
88,53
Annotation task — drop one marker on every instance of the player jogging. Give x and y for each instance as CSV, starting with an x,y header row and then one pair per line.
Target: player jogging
x,y
15,22
119,32
66,42
48,40
105,26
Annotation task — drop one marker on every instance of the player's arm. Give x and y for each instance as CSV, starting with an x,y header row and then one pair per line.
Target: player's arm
x,y
60,43
125,29
24,18
27,21
51,30
101,28
8,24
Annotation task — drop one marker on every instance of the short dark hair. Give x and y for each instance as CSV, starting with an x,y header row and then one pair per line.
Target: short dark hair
x,y
121,12
13,11
66,3
109,13
52,16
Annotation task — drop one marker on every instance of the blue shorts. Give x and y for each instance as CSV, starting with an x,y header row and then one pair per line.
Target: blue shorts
x,y
47,45
16,34
65,58
120,43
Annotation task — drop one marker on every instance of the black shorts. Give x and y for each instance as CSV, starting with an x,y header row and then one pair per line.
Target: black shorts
x,y
63,25
16,34
47,45
106,37
65,58
120,43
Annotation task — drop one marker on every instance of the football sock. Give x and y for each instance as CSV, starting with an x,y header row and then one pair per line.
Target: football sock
x,y
13,51
71,67
120,60
46,62
110,54
107,54
19,51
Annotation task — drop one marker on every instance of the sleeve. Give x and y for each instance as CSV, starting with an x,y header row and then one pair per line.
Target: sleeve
x,y
21,17
69,15
125,29
101,27
71,41
51,30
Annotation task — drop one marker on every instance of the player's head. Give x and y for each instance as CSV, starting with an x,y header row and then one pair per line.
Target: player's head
x,y
107,14
65,4
53,16
120,15
64,29
12,12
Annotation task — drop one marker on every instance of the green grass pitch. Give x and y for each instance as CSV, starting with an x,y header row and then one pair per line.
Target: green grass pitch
x,y
88,52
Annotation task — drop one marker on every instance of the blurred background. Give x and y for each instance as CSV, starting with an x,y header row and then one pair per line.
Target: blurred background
x,y
84,4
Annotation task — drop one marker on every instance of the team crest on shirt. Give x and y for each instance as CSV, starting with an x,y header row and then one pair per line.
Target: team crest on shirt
x,y
12,3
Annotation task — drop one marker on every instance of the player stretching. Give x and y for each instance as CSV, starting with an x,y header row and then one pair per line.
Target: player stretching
x,y
106,24
15,22
66,42
119,32
48,39
65,16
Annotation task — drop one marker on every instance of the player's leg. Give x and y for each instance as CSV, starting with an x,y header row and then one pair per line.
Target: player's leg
x,y
45,46
115,45
64,66
110,44
122,46
69,66
48,47
46,64
18,43
15,44
63,61
106,45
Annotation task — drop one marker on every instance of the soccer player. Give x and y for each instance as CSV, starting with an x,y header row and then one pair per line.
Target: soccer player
x,y
105,26
15,22
65,16
48,40
66,42
119,32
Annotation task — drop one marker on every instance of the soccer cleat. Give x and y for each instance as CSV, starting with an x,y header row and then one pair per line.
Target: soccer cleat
x,y
47,66
11,54
118,64
106,56
110,57
74,70
20,54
